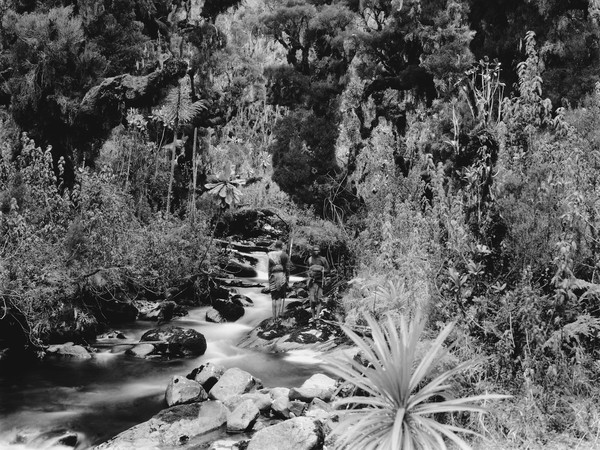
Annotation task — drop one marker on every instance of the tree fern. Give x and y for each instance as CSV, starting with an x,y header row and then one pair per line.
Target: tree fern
x,y
178,109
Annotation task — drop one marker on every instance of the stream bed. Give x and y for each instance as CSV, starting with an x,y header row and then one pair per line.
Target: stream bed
x,y
100,397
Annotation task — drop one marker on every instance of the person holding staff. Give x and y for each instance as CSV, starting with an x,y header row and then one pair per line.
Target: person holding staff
x,y
278,278
317,268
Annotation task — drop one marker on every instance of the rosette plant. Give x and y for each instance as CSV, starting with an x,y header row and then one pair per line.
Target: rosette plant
x,y
227,192
402,396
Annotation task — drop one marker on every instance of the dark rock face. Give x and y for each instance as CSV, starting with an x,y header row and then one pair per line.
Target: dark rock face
x,y
176,341
293,321
112,311
162,312
261,224
102,107
241,283
244,300
230,309
240,269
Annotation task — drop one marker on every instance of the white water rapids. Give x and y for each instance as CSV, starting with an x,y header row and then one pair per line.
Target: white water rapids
x,y
102,396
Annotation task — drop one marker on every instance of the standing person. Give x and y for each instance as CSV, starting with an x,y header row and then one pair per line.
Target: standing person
x,y
317,268
278,278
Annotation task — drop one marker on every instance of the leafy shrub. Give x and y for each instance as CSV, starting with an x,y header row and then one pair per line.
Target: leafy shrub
x,y
60,246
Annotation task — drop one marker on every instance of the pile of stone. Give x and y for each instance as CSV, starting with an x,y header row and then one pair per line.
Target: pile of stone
x,y
230,409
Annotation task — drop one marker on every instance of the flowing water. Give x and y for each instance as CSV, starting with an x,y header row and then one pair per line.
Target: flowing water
x,y
102,396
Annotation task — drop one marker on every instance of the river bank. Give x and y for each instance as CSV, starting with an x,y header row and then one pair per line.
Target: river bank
x,y
98,397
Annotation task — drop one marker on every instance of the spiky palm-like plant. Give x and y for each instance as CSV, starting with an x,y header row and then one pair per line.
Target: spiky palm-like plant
x,y
398,411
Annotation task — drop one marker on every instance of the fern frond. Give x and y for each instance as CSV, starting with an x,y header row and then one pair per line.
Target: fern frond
x,y
178,105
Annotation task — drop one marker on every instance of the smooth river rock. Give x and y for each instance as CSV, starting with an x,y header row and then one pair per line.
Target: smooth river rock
x,y
262,401
300,433
320,381
281,408
318,386
308,394
207,375
181,390
171,427
320,410
68,350
233,382
242,417
140,350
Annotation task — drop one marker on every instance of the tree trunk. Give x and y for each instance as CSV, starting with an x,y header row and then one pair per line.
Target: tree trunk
x,y
172,171
174,154
194,176
158,150
128,168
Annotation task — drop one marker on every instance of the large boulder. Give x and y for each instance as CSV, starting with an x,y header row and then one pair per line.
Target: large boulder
x,y
207,375
176,341
281,408
320,381
171,427
300,433
181,390
262,401
243,300
308,394
318,386
230,309
277,392
240,269
68,350
233,382
319,410
297,408
242,418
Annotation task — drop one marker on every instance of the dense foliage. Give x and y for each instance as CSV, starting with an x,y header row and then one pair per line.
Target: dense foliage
x,y
450,146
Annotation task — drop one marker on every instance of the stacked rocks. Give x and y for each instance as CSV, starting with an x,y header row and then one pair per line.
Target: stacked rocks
x,y
213,402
